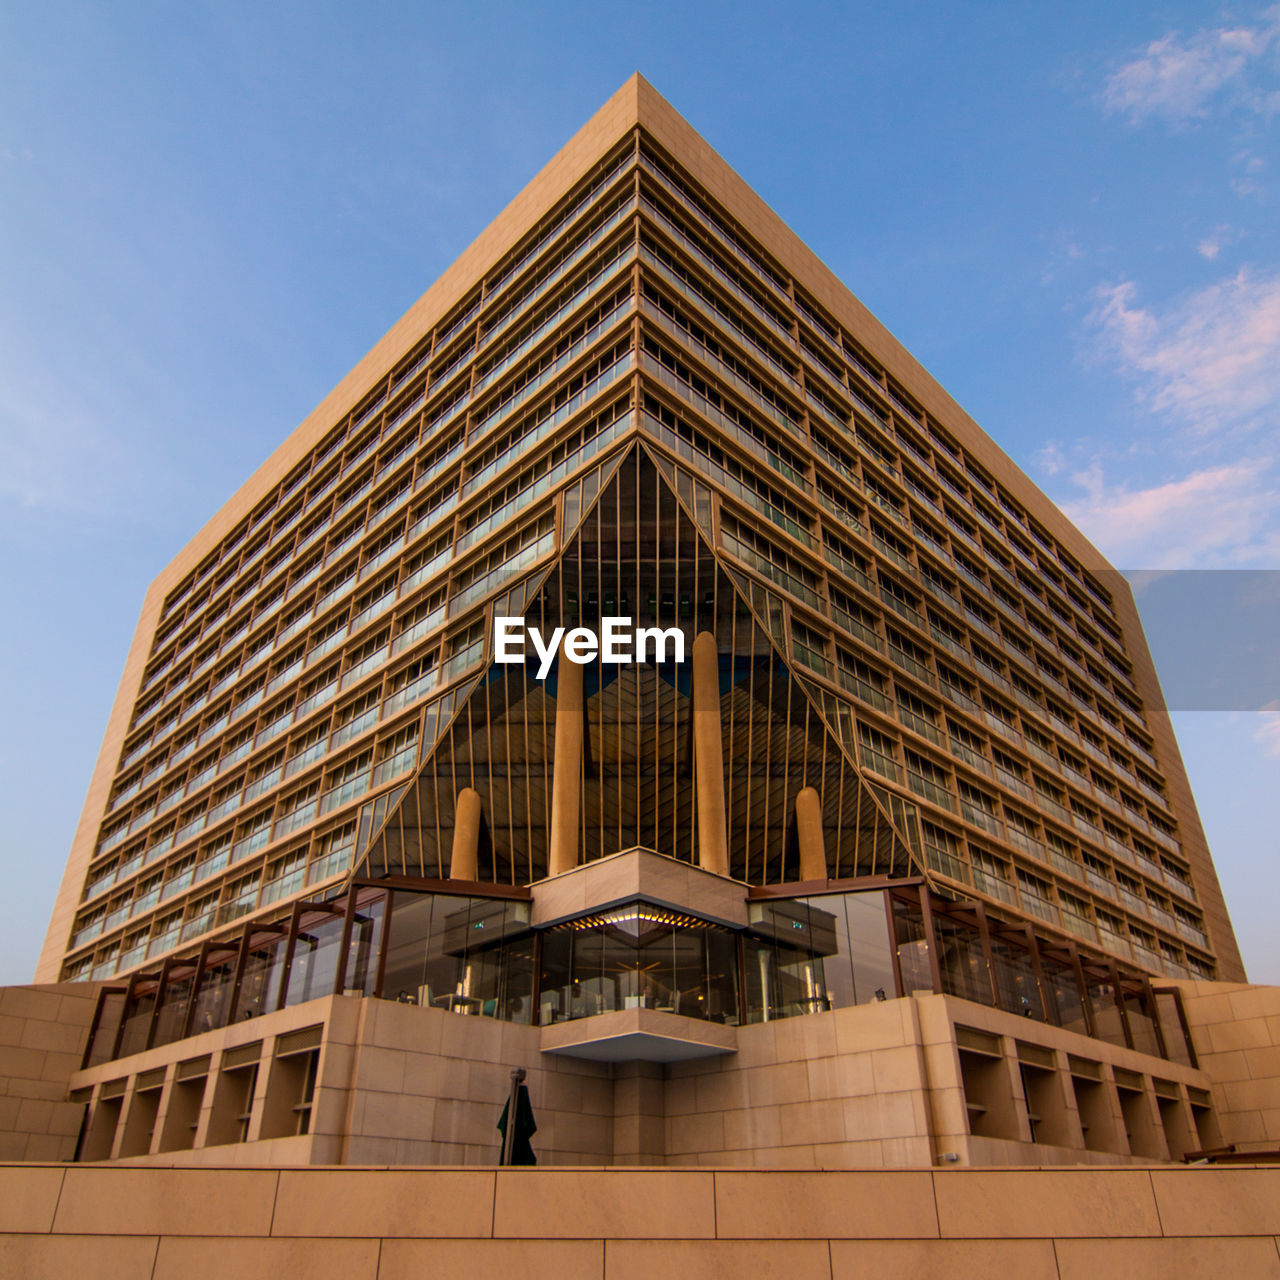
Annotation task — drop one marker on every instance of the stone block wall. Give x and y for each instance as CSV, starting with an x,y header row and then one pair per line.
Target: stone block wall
x,y
590,1224
845,1088
428,1086
1236,1031
43,1032
896,1084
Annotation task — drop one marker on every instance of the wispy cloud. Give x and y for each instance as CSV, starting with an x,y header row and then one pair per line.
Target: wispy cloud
x,y
1267,733
1218,239
1211,518
1179,77
1212,359
58,465
67,453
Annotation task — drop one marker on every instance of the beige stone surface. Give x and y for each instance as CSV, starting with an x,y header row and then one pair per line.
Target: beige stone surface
x,y
28,1198
609,1204
565,1037
565,1224
1019,1205
639,872
492,1259
400,1202
176,1202
716,1260
71,1257
1236,1028
1213,1201
942,1259
1216,1259
43,1032
825,1205
210,1258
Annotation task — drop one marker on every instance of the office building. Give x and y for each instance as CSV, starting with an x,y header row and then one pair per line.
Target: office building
x,y
862,838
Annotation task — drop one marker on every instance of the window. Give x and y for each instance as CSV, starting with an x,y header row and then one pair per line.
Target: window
x,y
291,1087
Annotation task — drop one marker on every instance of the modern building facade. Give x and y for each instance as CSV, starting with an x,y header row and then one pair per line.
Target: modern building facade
x,y
888,771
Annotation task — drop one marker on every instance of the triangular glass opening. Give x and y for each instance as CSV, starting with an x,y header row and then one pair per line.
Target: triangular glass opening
x,y
838,712
638,554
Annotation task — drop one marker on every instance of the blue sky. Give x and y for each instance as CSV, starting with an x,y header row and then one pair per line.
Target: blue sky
x,y
208,212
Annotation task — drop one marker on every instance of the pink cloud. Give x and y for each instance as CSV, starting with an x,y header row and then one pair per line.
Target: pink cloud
x,y
1267,734
1212,518
1177,77
1212,359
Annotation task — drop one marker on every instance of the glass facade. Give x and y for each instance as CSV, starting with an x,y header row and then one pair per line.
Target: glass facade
x,y
480,956
638,553
639,956
808,955
468,955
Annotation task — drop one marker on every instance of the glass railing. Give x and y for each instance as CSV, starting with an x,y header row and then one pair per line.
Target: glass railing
x,y
423,627
976,761
501,574
904,660
543,427
931,791
774,572
394,766
522,306
739,294
726,244
844,516
960,698
594,196
318,699
521,394
282,887
544,484
711,312
995,887
726,424
1039,907
734,486
857,627
594,285
289,822
980,817
425,572
363,668
346,792
699,351
879,763
411,692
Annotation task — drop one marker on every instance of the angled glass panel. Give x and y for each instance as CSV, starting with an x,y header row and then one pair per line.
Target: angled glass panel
x,y
638,556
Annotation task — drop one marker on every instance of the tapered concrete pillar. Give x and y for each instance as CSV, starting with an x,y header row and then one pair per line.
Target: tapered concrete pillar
x,y
465,862
708,757
566,780
813,853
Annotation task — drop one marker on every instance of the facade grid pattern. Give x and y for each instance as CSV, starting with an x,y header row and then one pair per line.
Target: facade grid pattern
x,y
978,674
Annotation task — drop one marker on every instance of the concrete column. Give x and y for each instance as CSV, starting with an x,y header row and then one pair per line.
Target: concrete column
x,y
639,1124
708,757
566,781
465,861
813,853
